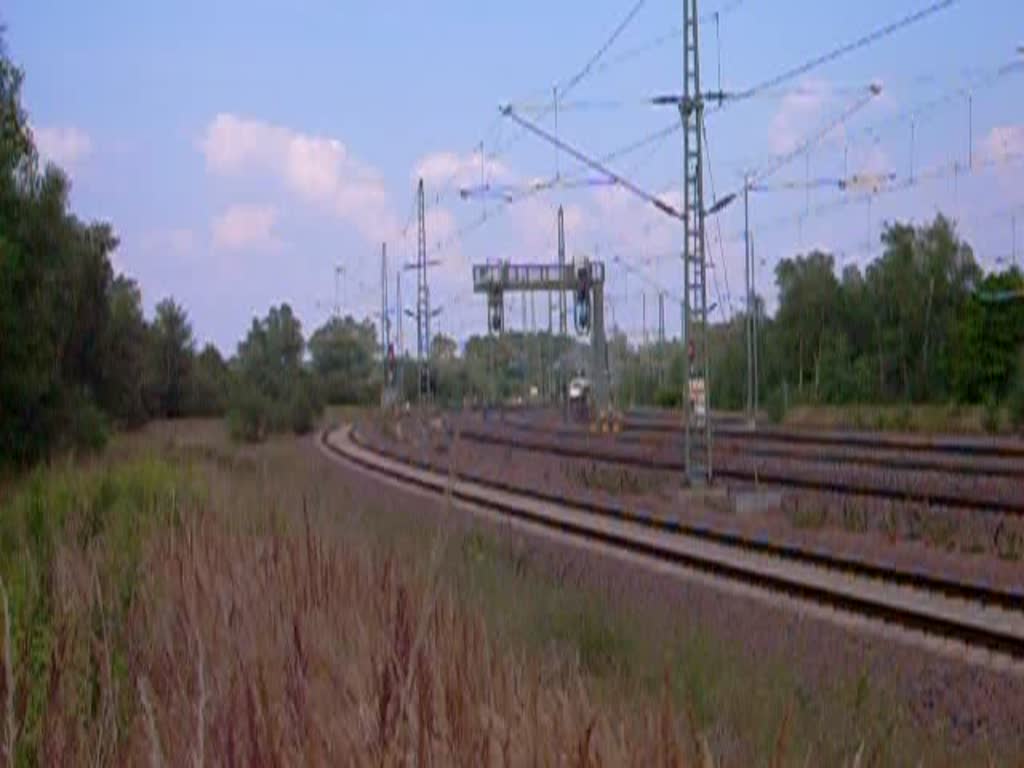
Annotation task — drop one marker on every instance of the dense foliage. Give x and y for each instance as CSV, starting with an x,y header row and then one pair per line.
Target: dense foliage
x,y
922,323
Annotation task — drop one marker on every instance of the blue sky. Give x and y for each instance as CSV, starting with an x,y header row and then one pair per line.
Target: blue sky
x,y
243,149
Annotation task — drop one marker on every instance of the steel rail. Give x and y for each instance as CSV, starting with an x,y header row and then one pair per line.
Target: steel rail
x,y
762,477
933,622
917,460
859,439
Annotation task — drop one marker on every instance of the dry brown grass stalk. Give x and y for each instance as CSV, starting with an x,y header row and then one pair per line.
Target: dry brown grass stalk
x,y
251,626
10,735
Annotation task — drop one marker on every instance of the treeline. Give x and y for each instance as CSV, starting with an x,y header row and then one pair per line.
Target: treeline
x,y
921,324
78,357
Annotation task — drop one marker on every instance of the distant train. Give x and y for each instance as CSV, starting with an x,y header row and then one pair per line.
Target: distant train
x,y
579,397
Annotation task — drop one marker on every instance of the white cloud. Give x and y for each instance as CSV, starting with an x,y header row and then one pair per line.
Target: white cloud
x,y
535,222
446,168
63,145
318,169
798,115
1005,142
245,227
634,226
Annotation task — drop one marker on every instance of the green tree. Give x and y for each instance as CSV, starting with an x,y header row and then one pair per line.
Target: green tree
x,y
55,282
443,349
343,355
274,391
990,335
270,356
123,393
808,304
172,350
211,384
918,290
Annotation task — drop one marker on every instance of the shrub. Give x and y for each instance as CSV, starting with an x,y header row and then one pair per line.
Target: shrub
x,y
990,415
250,415
903,420
1015,401
302,410
775,407
668,397
87,428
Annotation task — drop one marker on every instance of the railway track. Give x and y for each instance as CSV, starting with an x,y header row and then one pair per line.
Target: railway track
x,y
649,427
982,624
944,445
537,440
1000,464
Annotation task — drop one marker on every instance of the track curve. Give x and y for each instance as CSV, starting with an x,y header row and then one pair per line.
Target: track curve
x,y
981,624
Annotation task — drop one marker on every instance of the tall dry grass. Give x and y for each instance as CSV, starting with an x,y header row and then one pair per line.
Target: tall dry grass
x,y
185,602
158,623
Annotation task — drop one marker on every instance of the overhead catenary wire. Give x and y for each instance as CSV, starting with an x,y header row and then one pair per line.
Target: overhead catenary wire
x,y
673,35
935,173
986,77
839,52
649,139
718,225
889,184
563,90
596,165
560,92
809,142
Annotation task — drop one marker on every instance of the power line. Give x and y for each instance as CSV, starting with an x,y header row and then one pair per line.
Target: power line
x,y
718,225
560,92
596,165
675,34
935,173
808,143
576,79
842,50
913,113
652,138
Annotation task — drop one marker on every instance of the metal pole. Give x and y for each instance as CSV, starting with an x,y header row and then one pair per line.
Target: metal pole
x,y
385,332
1013,227
548,346
525,351
757,327
643,316
563,320
533,339
691,109
912,132
338,269
749,320
645,352
399,341
970,131
490,359
422,300
661,338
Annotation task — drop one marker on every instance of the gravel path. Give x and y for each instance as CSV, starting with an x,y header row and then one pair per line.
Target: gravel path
x,y
976,707
947,543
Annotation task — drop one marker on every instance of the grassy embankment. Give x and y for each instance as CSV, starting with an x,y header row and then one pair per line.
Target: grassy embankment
x,y
926,419
185,600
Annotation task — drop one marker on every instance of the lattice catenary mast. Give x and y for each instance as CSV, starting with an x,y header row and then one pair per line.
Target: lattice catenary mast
x,y
422,300
696,390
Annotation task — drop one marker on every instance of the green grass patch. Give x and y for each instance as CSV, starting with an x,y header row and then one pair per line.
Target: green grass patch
x,y
70,552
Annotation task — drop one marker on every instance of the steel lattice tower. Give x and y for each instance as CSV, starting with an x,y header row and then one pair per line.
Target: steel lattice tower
x,y
563,326
422,301
697,438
